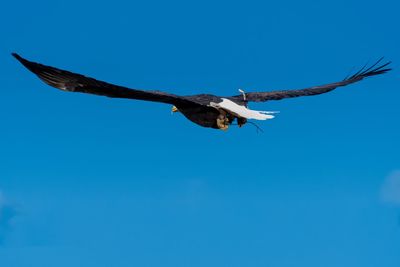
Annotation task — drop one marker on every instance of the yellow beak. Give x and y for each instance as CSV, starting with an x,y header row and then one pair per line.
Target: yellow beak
x,y
174,109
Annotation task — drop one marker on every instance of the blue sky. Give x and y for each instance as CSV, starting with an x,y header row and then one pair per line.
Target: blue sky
x,y
93,181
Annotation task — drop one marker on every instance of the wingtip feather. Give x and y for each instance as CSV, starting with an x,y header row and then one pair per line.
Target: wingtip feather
x,y
16,55
19,58
373,70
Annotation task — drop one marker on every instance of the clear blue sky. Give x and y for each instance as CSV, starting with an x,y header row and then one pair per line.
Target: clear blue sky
x,y
98,182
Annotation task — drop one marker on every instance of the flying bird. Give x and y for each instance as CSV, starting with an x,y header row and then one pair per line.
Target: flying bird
x,y
206,110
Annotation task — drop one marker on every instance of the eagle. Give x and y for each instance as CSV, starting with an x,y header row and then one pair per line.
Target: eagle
x,y
217,112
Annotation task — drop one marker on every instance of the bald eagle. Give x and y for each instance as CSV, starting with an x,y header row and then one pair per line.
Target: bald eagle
x,y
203,109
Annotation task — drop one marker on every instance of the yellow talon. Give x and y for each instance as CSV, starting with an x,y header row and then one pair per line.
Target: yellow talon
x,y
223,123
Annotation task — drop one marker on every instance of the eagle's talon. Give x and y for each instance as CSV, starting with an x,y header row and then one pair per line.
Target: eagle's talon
x,y
222,122
203,109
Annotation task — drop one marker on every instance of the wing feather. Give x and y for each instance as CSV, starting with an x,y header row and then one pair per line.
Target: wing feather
x,y
364,72
73,82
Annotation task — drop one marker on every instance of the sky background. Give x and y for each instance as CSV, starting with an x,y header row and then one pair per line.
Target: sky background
x,y
92,181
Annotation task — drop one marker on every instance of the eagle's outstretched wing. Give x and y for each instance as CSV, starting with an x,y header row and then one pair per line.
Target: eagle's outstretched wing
x,y
373,70
73,82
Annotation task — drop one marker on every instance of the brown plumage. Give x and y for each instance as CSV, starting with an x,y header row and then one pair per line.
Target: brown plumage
x,y
196,108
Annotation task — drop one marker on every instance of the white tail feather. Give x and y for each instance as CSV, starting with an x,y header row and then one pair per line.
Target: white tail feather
x,y
242,111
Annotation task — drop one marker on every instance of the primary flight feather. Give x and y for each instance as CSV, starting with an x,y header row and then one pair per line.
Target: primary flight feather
x,y
204,109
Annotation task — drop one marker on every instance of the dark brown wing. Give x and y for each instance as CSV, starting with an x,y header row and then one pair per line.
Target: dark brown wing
x,y
73,82
373,70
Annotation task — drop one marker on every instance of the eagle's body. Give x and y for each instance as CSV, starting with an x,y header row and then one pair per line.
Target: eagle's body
x,y
202,115
215,109
204,109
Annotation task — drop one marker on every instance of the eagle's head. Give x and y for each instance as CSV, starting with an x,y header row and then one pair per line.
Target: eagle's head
x,y
174,109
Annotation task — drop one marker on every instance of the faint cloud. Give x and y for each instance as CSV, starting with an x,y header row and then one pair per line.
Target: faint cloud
x,y
7,214
390,192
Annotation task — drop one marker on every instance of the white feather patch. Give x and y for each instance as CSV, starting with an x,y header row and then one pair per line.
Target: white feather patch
x,y
242,111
